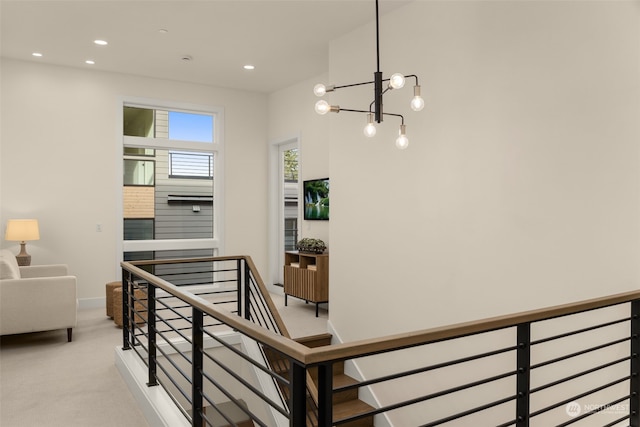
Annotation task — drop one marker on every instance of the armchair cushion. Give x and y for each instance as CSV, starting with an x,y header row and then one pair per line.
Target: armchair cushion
x,y
51,270
8,265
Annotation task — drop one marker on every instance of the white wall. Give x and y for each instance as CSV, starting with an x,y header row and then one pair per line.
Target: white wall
x,y
59,163
291,113
520,187
292,116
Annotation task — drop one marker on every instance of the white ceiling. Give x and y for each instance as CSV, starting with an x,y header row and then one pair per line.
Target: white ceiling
x,y
286,40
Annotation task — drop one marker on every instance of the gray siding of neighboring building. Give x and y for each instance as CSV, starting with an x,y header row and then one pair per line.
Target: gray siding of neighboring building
x,y
186,274
177,219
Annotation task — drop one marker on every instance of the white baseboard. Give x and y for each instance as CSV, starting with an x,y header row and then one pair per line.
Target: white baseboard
x,y
85,303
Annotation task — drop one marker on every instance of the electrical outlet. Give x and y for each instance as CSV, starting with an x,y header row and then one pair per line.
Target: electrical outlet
x,y
99,228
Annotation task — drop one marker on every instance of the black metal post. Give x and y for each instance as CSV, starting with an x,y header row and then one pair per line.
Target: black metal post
x,y
247,292
151,331
239,285
197,367
126,339
634,383
325,394
377,95
523,376
298,395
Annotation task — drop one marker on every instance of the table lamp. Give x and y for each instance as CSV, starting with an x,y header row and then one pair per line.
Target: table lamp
x,y
22,230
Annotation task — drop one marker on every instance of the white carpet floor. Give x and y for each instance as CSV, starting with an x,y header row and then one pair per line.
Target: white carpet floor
x,y
47,382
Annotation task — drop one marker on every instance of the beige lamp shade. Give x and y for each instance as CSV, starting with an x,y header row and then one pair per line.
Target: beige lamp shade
x,y
22,230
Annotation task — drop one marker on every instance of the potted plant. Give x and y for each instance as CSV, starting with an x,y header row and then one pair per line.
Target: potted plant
x,y
315,246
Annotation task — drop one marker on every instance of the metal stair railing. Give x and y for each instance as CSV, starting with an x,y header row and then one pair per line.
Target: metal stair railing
x,y
161,320
561,365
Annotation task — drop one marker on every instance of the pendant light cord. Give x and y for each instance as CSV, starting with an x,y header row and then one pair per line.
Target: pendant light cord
x,y
377,37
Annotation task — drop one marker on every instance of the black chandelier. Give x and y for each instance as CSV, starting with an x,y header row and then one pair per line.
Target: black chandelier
x,y
375,112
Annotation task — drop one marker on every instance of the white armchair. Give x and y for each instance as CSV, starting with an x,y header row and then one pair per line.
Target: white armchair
x,y
36,298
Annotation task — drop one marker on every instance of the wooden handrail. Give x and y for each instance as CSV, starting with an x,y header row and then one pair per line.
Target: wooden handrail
x,y
263,289
442,333
311,356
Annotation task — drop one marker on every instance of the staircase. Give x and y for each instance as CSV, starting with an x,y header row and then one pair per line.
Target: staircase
x,y
345,403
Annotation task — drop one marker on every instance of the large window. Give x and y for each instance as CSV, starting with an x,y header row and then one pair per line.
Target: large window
x,y
170,178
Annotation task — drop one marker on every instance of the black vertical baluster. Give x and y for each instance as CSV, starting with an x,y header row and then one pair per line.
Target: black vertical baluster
x,y
247,292
634,383
129,318
523,376
126,337
239,284
151,330
197,367
325,394
298,396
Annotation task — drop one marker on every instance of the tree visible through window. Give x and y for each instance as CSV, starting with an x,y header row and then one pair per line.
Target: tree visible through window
x,y
291,165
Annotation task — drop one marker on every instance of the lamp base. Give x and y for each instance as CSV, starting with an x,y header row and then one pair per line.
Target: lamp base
x,y
23,258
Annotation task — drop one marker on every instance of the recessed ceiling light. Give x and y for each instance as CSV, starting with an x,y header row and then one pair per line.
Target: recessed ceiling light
x,y
90,61
249,67
163,31
187,58
100,42
38,54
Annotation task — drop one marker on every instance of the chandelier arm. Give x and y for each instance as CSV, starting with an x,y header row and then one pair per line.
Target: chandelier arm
x,y
354,84
414,76
397,115
368,83
367,112
373,102
354,111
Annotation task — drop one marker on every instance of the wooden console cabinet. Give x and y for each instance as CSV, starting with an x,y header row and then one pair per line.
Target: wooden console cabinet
x,y
306,276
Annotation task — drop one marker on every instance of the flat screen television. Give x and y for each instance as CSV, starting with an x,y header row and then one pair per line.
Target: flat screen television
x,y
315,193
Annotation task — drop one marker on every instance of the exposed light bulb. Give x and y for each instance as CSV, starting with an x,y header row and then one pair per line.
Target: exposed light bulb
x,y
396,81
370,128
322,107
402,141
417,103
321,90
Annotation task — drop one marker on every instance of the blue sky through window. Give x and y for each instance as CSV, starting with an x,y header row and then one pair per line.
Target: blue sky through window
x,y
190,127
